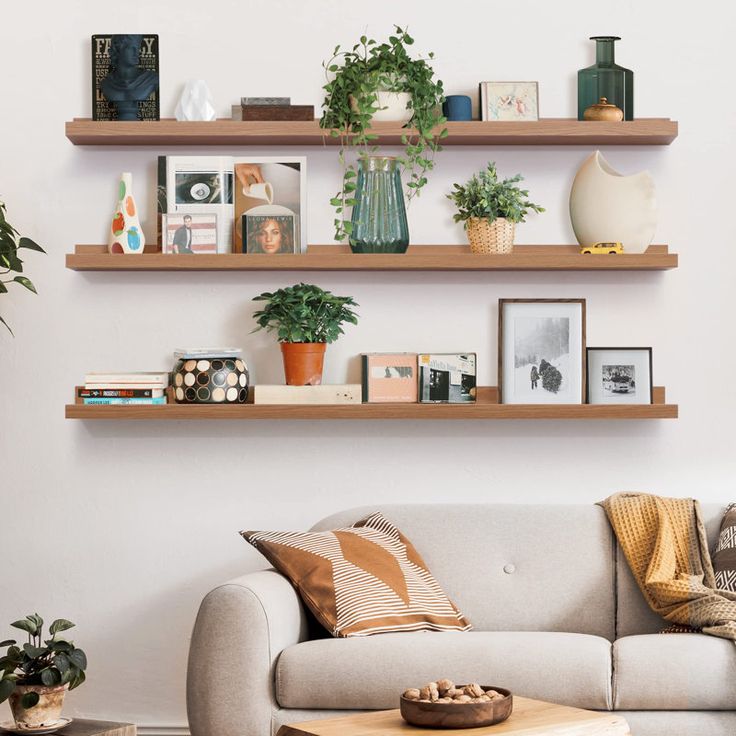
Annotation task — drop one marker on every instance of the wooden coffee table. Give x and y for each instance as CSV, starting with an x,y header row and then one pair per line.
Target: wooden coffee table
x,y
529,717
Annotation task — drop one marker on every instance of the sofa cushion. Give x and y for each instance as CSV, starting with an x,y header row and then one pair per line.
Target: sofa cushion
x,y
724,558
514,567
674,672
371,672
361,580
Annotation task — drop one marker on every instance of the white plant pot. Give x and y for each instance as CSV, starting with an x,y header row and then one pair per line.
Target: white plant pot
x,y
608,207
395,104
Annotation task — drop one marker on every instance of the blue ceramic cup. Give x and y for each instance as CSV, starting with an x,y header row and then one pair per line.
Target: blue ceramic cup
x,y
457,107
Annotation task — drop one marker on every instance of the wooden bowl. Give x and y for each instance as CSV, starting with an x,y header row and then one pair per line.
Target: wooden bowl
x,y
458,715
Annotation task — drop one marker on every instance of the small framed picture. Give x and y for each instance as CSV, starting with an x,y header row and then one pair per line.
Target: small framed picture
x,y
192,234
269,234
509,101
619,375
541,351
447,378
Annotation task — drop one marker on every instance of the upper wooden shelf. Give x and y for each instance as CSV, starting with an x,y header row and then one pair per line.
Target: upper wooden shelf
x,y
417,258
224,132
486,407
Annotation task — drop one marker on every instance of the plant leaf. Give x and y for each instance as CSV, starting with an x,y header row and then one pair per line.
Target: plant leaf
x,y
24,281
7,643
78,658
30,245
6,687
24,624
61,624
29,700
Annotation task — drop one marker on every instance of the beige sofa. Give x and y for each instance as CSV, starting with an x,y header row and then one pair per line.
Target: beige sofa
x,y
556,616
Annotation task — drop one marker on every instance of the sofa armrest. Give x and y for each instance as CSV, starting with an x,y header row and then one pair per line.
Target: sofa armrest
x,y
241,628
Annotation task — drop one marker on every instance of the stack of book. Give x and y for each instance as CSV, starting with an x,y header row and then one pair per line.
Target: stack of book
x,y
271,108
124,388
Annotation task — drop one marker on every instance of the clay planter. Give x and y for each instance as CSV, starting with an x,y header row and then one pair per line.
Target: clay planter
x,y
46,712
303,362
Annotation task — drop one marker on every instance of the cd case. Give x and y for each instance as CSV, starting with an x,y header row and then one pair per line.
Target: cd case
x,y
447,378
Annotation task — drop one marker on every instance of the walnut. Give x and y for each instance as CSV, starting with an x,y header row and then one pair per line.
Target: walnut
x,y
411,694
445,685
463,699
474,690
494,694
424,693
445,700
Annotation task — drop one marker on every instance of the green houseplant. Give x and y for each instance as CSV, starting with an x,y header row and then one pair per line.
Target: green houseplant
x,y
11,243
489,208
360,83
36,674
305,318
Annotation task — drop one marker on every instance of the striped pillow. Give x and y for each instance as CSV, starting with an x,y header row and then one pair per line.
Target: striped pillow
x,y
365,579
724,559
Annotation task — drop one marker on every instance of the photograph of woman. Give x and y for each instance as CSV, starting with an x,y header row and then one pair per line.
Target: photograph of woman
x,y
269,233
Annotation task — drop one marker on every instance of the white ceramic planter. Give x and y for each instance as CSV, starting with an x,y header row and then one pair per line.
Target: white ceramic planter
x,y
395,104
608,207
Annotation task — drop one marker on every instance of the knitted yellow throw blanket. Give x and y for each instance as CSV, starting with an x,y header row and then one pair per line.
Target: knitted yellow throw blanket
x,y
665,545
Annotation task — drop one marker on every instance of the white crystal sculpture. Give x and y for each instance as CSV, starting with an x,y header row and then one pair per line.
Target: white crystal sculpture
x,y
195,102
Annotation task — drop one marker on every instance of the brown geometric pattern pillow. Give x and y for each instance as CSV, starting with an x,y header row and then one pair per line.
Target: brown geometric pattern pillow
x,y
365,579
724,559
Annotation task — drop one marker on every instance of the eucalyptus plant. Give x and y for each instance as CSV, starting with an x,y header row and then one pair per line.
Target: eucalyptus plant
x,y
354,78
11,242
304,313
50,662
486,197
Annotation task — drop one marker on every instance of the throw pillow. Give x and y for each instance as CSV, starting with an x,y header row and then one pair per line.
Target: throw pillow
x,y
724,559
365,579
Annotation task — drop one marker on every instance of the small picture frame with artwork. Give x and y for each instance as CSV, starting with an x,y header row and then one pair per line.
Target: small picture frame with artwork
x,y
269,234
541,351
619,375
509,101
190,234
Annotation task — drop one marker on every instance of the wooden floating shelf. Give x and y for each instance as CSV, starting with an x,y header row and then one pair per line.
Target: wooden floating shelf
x,y
486,407
547,131
417,258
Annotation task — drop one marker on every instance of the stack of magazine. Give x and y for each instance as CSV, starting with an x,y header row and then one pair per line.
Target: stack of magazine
x,y
124,388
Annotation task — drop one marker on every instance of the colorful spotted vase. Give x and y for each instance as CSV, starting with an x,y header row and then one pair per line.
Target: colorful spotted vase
x,y
211,381
125,234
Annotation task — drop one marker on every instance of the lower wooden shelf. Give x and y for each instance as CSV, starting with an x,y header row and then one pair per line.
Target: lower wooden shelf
x,y
486,407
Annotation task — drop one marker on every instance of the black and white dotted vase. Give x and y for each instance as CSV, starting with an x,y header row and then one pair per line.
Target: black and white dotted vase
x,y
211,381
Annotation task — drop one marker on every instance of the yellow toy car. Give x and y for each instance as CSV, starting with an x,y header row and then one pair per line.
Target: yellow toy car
x,y
602,248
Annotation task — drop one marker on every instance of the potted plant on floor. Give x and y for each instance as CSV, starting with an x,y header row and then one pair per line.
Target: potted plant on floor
x,y
305,318
373,82
490,209
11,243
36,675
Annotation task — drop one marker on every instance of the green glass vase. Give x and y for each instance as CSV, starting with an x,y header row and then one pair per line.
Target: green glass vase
x,y
606,79
379,216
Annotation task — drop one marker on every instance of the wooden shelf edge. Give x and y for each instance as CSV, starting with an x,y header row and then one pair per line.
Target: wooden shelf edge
x,y
417,258
484,408
546,131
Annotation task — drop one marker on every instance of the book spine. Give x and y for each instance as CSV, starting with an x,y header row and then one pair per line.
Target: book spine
x,y
126,402
364,377
280,101
119,393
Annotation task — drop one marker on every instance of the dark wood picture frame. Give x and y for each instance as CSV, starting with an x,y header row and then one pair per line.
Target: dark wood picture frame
x,y
587,372
583,351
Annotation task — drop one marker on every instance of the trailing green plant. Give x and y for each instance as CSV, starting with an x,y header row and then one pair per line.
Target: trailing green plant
x,y
485,197
10,243
50,662
304,313
354,78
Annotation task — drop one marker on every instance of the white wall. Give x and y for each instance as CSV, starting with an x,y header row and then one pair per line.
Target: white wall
x,y
122,527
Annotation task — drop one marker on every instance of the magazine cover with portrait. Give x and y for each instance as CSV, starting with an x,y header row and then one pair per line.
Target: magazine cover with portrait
x,y
270,205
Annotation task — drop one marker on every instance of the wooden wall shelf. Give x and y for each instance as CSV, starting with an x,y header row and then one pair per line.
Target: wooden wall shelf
x,y
486,407
418,258
547,131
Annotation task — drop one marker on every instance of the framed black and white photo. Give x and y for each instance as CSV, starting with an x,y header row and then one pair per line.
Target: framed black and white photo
x,y
541,351
619,375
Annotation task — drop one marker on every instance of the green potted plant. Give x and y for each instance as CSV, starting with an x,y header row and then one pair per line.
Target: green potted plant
x,y
36,675
305,318
490,209
372,82
11,243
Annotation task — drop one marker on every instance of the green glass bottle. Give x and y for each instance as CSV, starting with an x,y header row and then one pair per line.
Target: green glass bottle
x,y
606,79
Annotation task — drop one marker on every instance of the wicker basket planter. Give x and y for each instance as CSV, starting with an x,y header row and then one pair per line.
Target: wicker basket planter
x,y
491,237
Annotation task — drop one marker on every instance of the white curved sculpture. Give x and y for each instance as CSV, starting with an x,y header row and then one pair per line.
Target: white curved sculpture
x,y
608,207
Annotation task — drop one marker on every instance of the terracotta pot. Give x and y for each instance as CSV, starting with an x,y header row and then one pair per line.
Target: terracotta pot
x,y
303,362
46,712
